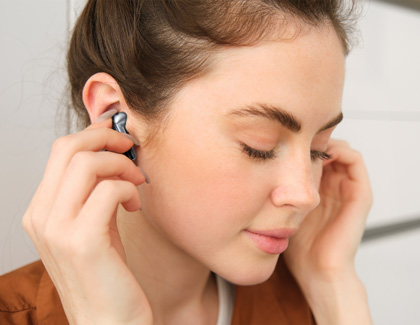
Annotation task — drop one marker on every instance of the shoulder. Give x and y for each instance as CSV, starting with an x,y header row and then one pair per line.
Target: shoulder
x,y
278,300
18,293
28,296
19,287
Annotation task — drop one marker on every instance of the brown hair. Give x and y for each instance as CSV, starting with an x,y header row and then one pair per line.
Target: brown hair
x,y
153,47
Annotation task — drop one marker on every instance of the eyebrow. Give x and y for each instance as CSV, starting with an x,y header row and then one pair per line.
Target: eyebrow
x,y
280,115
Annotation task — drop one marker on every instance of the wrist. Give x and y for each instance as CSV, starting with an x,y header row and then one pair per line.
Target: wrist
x,y
340,299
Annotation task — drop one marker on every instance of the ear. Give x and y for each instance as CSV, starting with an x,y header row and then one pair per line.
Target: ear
x,y
101,93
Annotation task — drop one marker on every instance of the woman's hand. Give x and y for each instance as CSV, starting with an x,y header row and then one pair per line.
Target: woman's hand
x,y
321,254
72,222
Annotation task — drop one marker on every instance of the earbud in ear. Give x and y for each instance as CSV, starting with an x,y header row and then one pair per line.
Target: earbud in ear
x,y
119,121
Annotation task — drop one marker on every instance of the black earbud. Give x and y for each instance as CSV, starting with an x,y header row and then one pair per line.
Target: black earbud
x,y
119,121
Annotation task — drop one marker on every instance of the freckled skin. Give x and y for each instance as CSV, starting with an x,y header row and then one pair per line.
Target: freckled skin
x,y
205,191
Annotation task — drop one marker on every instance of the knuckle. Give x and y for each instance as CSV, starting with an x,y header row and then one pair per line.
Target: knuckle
x,y
358,155
107,188
61,144
26,224
82,160
34,225
82,157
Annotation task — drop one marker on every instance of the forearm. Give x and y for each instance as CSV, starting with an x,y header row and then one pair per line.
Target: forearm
x,y
339,301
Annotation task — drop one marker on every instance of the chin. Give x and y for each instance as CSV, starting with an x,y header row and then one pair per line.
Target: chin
x,y
252,273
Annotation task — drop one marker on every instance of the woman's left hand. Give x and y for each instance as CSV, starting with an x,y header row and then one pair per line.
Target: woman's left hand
x,y
321,254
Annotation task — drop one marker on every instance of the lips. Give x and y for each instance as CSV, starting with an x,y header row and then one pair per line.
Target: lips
x,y
271,241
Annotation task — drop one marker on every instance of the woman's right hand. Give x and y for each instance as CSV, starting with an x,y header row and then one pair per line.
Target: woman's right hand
x,y
72,222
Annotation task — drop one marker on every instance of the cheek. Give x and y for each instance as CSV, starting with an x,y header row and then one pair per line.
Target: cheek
x,y
202,194
317,172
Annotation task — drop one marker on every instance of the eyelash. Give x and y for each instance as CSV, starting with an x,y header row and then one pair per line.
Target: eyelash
x,y
266,155
258,154
319,155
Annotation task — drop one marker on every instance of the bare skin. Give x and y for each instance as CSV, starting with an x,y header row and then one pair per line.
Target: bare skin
x,y
152,266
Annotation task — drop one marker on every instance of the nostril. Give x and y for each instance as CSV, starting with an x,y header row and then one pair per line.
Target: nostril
x,y
314,200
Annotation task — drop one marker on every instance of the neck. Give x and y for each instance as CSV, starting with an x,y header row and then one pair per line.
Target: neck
x,y
177,286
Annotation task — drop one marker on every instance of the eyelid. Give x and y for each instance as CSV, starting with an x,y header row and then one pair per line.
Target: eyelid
x,y
268,155
322,155
258,154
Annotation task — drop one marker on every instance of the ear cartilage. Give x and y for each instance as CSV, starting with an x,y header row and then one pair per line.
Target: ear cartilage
x,y
119,121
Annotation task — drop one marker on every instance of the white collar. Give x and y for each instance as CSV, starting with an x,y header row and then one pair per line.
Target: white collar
x,y
226,293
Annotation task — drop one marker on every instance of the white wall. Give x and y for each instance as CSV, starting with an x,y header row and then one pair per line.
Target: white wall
x,y
382,110
33,38
381,105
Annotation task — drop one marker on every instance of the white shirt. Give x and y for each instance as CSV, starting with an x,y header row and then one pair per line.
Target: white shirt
x,y
226,293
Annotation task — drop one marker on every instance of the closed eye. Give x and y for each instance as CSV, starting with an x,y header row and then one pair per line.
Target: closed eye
x,y
267,155
315,154
258,154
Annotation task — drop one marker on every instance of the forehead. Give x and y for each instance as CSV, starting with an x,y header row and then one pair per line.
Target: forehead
x,y
316,55
302,75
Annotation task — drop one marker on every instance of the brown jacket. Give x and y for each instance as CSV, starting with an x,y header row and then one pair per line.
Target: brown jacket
x,y
28,296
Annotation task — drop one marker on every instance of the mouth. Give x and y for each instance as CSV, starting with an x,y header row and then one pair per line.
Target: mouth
x,y
273,241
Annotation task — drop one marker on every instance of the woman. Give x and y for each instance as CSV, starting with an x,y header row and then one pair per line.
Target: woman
x,y
230,105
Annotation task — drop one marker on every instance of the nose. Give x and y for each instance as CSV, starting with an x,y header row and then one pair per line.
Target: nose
x,y
296,186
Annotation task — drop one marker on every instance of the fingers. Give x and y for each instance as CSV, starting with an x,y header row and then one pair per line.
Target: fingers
x,y
343,156
95,138
103,202
350,165
87,169
91,139
72,221
92,231
73,170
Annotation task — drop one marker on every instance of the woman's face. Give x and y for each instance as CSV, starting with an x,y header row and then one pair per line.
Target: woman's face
x,y
241,153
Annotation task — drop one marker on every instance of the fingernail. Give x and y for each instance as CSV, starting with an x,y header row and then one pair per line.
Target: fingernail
x,y
145,175
135,141
105,116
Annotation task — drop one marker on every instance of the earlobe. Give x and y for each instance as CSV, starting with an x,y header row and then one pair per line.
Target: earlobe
x,y
101,93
